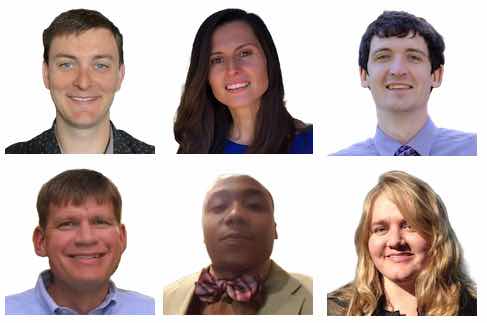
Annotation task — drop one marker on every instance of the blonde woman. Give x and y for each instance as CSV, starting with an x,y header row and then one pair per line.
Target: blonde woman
x,y
409,259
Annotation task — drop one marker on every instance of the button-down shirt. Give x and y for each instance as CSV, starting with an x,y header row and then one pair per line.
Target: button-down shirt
x,y
429,141
46,143
37,301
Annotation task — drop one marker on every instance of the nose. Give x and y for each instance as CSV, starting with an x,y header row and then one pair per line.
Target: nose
x,y
232,66
398,67
85,235
83,78
395,240
236,214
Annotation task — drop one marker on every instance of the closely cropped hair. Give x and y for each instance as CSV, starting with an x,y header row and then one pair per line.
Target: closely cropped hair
x,y
402,24
75,187
202,123
442,283
77,21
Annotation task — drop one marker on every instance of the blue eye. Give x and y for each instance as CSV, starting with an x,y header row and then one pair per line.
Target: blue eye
x,y
101,66
65,65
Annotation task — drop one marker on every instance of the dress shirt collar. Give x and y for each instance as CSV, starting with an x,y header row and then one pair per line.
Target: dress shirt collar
x,y
421,142
50,305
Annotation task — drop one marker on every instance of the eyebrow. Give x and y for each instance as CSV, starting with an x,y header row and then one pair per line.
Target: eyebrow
x,y
237,48
107,56
408,50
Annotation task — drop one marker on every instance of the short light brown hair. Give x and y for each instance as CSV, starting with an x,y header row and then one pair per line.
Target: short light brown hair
x,y
77,21
75,187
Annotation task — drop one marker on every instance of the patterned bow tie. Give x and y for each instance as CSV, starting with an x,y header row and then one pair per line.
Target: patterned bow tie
x,y
406,150
209,289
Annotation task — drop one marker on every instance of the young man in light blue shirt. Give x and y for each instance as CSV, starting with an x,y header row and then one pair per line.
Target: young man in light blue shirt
x,y
81,233
401,61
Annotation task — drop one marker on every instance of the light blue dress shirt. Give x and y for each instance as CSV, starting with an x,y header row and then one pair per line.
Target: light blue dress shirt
x,y
429,141
37,301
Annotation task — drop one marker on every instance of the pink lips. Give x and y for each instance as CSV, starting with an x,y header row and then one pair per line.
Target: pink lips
x,y
400,257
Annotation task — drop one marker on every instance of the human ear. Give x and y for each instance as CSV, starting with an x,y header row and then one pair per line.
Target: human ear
x,y
123,237
437,77
39,240
121,75
45,75
364,78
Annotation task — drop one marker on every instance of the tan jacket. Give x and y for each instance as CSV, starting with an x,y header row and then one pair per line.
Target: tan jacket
x,y
289,294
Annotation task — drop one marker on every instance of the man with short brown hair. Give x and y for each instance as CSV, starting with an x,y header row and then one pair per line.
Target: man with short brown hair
x,y
83,69
81,233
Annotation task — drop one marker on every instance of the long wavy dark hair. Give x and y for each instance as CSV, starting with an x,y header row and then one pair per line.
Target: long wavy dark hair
x,y
202,122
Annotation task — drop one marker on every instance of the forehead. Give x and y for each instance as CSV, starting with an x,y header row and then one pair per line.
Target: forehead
x,y
95,41
237,184
399,44
89,207
384,209
233,34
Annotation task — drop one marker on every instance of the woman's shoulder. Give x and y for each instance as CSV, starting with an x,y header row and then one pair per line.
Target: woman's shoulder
x,y
468,303
303,139
338,301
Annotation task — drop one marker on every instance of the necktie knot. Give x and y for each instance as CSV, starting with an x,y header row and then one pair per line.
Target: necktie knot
x,y
209,289
406,150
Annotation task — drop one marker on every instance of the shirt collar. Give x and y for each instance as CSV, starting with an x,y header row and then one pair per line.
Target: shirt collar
x,y
41,291
421,142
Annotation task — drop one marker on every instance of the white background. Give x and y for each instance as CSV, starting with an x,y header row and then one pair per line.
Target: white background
x,y
317,43
318,199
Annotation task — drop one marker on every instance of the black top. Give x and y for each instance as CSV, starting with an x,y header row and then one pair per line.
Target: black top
x,y
46,143
468,306
337,305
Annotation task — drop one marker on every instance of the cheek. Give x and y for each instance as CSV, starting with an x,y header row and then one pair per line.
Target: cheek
x,y
59,81
418,244
376,247
106,82
214,79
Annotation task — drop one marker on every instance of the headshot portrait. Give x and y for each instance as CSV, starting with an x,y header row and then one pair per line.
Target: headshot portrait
x,y
80,232
239,232
409,259
83,67
402,63
233,96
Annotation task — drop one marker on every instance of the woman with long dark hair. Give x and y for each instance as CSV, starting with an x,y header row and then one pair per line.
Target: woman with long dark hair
x,y
233,98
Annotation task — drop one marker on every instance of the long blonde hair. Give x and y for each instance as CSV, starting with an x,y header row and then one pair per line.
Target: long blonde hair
x,y
439,284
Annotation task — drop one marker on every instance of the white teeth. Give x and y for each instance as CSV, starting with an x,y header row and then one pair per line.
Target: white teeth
x,y
398,86
82,99
87,257
237,86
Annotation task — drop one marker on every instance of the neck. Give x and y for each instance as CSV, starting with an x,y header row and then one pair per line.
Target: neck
x,y
92,140
401,297
243,128
402,126
81,300
225,272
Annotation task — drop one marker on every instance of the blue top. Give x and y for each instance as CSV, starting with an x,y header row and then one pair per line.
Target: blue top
x,y
37,301
429,141
301,144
